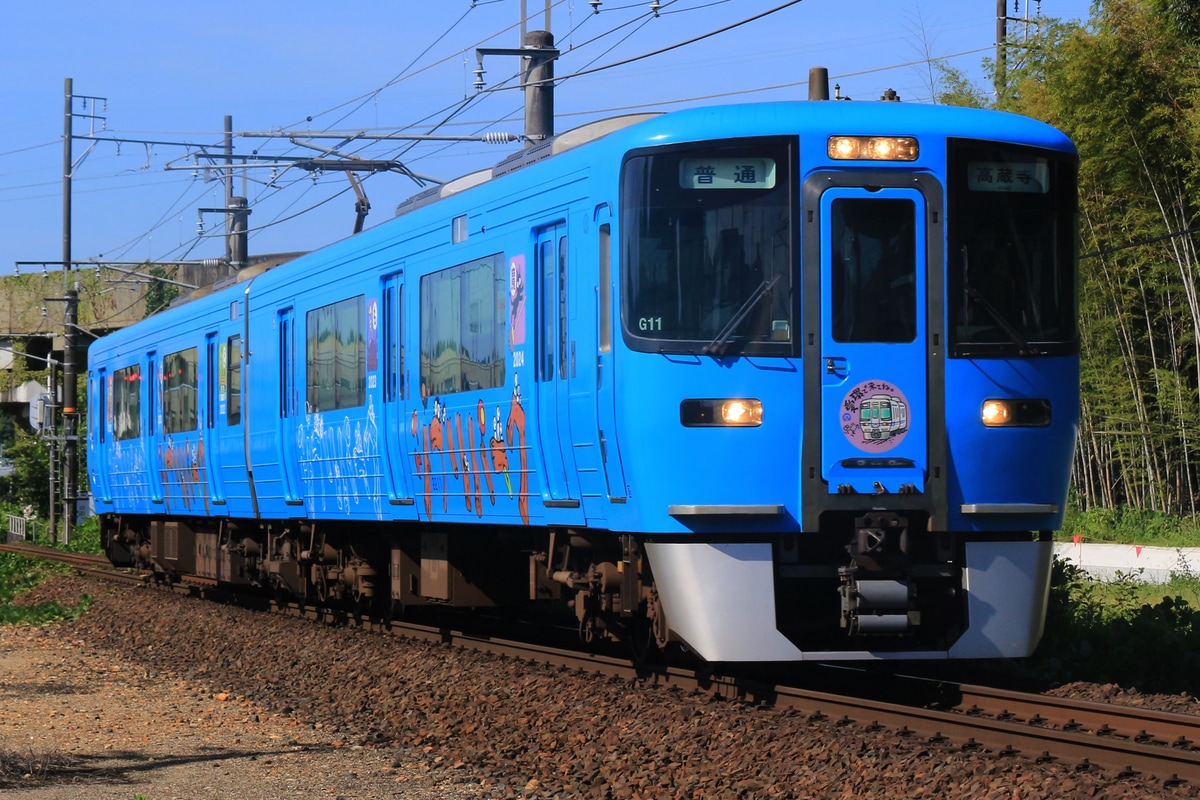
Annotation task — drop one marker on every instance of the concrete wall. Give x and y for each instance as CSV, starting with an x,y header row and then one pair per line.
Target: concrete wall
x,y
1147,564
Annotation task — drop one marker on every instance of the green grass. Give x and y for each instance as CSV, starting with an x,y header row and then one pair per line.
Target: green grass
x,y
19,574
1130,526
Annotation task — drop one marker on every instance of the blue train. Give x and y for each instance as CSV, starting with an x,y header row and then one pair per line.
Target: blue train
x,y
776,382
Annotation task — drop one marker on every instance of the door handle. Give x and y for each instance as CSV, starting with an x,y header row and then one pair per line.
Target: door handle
x,y
835,365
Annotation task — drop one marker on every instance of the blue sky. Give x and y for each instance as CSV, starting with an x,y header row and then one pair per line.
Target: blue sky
x,y
171,72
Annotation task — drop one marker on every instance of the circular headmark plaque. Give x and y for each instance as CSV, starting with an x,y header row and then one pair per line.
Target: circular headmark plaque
x,y
874,416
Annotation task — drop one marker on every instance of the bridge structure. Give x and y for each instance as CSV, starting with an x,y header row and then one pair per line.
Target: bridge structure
x,y
32,319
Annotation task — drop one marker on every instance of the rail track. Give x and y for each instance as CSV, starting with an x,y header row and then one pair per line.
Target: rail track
x,y
1121,740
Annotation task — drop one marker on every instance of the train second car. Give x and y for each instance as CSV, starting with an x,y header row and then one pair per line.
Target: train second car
x,y
775,382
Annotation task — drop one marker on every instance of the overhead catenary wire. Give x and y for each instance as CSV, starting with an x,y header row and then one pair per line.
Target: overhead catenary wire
x,y
453,113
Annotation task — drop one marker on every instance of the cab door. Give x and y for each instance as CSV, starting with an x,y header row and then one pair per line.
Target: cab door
x,y
873,279
605,393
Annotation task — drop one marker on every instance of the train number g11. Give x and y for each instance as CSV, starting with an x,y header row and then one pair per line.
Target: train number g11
x,y
650,323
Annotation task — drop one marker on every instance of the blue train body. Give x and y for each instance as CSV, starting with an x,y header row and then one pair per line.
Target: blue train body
x,y
779,382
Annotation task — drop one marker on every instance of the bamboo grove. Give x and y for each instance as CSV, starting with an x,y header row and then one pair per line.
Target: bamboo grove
x,y
1126,87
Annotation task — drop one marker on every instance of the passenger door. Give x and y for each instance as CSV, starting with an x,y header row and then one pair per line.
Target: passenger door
x,y
231,433
394,389
289,417
99,435
154,441
213,383
873,372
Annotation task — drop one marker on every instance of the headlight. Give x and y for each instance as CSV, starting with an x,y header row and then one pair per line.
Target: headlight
x,y
716,413
1015,413
873,148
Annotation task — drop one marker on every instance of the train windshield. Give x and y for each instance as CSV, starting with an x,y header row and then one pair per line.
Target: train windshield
x,y
707,248
1011,235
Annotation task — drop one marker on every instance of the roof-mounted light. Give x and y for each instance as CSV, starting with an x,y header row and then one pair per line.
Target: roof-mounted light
x,y
873,148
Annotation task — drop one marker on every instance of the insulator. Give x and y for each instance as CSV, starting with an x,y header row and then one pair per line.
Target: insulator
x,y
595,4
499,137
655,6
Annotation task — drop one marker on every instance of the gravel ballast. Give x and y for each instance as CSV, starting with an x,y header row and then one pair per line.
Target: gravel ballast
x,y
252,705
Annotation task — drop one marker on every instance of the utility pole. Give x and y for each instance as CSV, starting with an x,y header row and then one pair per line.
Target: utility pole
x,y
69,399
228,180
1001,35
1002,20
70,377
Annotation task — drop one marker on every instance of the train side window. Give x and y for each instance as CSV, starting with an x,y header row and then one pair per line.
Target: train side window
x,y
179,391
462,327
336,349
102,390
394,387
233,381
287,363
548,303
152,395
562,308
210,380
127,403
605,300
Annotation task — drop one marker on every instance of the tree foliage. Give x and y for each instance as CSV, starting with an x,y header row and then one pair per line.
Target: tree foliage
x,y
27,485
1125,89
159,294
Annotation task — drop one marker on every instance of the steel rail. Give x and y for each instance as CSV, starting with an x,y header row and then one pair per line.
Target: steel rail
x,y
1102,719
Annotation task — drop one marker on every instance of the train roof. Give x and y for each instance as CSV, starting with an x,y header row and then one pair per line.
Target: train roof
x,y
628,132
751,119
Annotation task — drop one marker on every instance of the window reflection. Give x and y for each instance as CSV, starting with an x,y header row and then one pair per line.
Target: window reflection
x,y
708,248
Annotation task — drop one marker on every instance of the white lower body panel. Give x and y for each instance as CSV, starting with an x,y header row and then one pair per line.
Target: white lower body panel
x,y
719,600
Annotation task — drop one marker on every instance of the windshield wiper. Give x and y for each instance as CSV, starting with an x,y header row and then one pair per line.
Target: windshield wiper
x,y
1023,347
717,345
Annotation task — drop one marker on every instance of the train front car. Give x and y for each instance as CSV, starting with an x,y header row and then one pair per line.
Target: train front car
x,y
849,399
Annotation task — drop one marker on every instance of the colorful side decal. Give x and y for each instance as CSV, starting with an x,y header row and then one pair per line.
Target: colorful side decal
x,y
340,463
184,477
460,442
516,301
